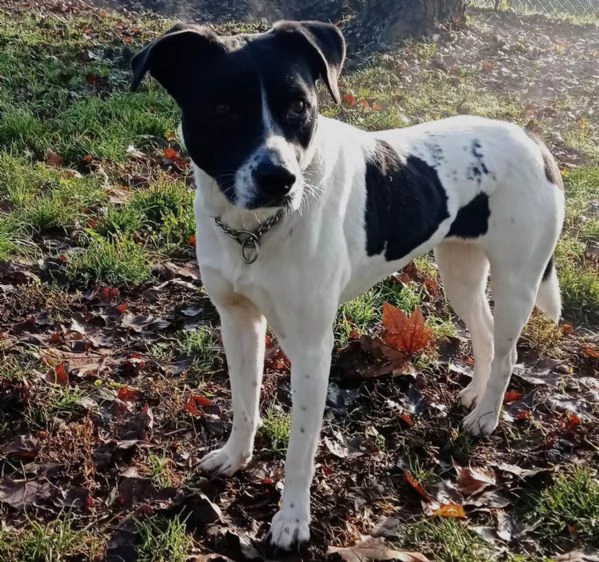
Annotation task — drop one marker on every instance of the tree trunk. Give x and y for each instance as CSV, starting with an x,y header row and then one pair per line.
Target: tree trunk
x,y
386,21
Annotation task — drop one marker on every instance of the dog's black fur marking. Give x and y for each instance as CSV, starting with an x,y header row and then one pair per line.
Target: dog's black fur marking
x,y
472,219
405,203
548,269
477,169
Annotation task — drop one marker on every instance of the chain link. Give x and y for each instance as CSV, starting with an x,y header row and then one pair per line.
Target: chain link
x,y
574,7
249,240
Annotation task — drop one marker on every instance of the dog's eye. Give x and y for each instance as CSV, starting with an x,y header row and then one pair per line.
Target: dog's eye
x,y
222,110
298,107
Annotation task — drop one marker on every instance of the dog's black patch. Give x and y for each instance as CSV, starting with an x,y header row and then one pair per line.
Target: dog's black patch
x,y
477,169
405,203
548,269
472,219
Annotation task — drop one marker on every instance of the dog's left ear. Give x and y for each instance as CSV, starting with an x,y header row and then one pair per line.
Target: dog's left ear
x,y
324,46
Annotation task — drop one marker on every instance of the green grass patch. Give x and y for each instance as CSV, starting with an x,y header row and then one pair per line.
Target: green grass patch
x,y
567,512
276,427
447,540
159,467
164,212
119,261
48,542
202,345
162,541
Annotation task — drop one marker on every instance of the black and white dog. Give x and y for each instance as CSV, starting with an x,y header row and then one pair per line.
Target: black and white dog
x,y
297,213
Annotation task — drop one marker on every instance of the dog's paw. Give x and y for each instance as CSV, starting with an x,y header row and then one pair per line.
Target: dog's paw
x,y
471,395
290,526
482,421
225,461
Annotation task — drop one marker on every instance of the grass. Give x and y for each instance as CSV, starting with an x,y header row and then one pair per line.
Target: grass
x,y
119,261
57,540
276,426
163,541
567,512
202,346
447,540
159,467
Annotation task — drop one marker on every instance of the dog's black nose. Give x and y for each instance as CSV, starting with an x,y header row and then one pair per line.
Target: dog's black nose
x,y
273,180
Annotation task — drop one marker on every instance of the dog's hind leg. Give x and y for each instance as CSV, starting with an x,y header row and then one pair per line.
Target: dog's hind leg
x,y
464,270
243,329
515,289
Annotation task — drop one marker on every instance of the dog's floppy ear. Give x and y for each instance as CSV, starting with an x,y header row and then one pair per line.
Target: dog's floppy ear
x,y
324,45
168,58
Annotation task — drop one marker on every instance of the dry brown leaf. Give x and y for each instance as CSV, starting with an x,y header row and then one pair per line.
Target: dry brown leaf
x,y
374,549
408,335
472,481
54,159
23,494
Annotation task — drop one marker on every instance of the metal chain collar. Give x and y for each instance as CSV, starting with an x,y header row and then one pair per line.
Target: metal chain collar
x,y
249,240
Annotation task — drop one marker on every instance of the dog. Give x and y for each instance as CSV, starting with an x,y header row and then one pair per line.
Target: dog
x,y
297,213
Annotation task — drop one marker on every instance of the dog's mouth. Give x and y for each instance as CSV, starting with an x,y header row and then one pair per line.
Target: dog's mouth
x,y
284,202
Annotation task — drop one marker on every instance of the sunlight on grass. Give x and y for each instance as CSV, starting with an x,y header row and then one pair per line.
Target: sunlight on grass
x,y
567,512
448,540
114,262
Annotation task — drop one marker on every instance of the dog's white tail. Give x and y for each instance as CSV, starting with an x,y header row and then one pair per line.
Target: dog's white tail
x,y
549,299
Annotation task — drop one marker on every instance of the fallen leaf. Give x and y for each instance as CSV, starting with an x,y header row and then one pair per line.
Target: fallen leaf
x,y
171,154
417,486
336,448
511,396
191,241
397,359
408,335
58,376
572,421
450,510
590,351
523,415
350,100
128,394
54,159
23,494
122,308
24,447
472,481
107,294
374,549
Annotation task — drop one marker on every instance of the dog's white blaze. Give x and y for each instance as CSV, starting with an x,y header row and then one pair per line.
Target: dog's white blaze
x,y
274,147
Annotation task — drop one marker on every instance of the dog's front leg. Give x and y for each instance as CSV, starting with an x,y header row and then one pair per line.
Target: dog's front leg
x,y
243,328
310,364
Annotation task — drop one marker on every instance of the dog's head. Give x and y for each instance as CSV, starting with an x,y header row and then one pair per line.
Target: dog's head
x,y
248,102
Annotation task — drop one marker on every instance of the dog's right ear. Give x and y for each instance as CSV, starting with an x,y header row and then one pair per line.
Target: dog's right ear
x,y
169,58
